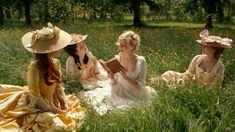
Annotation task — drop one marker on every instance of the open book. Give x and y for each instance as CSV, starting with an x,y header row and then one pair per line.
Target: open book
x,y
112,65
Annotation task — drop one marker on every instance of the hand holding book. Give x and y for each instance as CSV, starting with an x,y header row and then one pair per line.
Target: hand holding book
x,y
112,65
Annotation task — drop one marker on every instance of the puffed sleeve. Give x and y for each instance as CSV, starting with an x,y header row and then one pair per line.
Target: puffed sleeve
x,y
33,80
59,91
190,72
71,69
142,74
219,76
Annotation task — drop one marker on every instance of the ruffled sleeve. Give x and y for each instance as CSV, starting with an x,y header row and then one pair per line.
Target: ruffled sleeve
x,y
219,76
71,69
142,74
191,71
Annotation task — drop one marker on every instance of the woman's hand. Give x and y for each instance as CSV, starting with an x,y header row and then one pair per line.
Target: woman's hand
x,y
57,111
63,105
60,95
111,76
123,73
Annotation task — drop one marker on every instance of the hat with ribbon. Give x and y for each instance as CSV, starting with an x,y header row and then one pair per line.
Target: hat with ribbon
x,y
46,40
77,38
214,41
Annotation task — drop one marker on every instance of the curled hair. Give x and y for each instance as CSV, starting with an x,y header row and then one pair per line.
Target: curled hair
x,y
132,38
218,52
50,73
72,50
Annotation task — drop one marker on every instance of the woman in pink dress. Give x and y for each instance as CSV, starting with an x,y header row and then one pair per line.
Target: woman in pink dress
x,y
82,65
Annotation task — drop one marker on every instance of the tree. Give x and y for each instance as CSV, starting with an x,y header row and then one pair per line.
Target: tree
x,y
136,11
27,4
1,14
211,7
45,11
135,7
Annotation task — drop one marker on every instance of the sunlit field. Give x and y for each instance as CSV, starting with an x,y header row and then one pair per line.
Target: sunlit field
x,y
166,46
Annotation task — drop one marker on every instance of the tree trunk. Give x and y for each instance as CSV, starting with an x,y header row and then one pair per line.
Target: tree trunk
x,y
136,10
220,13
27,12
46,13
20,10
209,22
210,8
85,9
1,15
93,15
168,8
103,13
8,12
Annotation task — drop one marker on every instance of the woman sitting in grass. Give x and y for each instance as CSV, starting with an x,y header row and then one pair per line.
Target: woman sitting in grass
x,y
42,105
206,69
127,86
82,65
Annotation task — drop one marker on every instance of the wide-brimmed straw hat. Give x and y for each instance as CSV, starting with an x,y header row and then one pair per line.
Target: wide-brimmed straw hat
x,y
46,40
214,41
77,38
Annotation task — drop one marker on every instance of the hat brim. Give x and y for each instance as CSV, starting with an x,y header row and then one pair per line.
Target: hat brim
x,y
214,44
78,41
46,46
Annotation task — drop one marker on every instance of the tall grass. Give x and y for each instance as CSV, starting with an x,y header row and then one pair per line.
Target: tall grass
x,y
165,46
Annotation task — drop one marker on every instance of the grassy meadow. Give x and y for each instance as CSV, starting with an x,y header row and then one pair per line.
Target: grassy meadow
x,y
166,46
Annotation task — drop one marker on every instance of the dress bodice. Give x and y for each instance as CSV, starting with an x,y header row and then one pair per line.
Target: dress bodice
x,y
214,77
89,74
37,85
125,89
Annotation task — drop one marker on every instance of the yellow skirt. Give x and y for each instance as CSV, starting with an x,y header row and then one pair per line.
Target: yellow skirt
x,y
16,115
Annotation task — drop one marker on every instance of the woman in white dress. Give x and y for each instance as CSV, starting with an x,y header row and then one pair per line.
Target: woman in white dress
x,y
81,65
127,87
206,69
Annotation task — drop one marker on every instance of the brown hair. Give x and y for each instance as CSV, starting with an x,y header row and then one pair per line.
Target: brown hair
x,y
218,52
48,69
72,50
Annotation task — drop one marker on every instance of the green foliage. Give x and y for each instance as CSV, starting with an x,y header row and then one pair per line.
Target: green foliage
x,y
55,11
166,46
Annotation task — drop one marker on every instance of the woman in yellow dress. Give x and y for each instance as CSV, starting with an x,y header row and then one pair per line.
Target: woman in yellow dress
x,y
42,104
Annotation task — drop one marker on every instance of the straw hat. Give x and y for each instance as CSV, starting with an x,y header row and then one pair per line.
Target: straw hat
x,y
214,41
46,40
77,38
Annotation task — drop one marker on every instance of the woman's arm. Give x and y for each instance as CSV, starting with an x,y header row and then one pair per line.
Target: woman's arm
x,y
60,95
59,90
219,76
190,72
71,69
33,80
140,82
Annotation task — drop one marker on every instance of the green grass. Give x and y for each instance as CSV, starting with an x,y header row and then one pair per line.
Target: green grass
x,y
166,46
